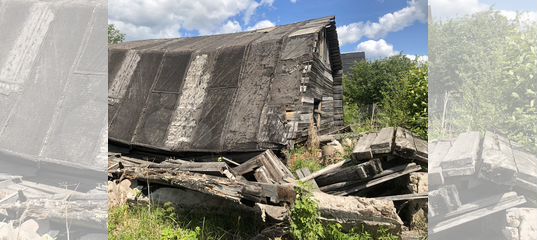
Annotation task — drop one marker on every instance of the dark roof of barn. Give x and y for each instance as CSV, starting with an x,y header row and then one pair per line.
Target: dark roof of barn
x,y
249,79
52,77
349,59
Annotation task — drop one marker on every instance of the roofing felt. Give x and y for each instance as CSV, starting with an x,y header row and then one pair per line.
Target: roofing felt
x,y
52,81
212,93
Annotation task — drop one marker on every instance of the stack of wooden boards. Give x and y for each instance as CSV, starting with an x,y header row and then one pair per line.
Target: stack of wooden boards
x,y
263,181
378,159
475,176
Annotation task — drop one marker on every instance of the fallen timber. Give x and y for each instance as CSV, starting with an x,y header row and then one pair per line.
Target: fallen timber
x,y
349,192
226,188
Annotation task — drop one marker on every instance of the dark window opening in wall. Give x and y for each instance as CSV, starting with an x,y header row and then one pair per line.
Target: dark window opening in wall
x,y
317,112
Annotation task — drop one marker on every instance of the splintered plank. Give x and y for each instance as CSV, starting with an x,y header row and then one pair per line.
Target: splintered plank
x,y
348,184
261,175
304,172
211,168
422,153
355,172
275,169
362,150
238,191
435,171
404,143
248,166
527,170
462,156
404,197
498,163
325,170
383,142
411,167
502,204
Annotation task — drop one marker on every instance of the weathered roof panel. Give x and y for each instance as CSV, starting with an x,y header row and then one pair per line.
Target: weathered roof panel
x,y
211,93
52,77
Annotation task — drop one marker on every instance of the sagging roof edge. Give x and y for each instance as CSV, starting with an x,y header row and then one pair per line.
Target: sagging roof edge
x,y
333,46
167,151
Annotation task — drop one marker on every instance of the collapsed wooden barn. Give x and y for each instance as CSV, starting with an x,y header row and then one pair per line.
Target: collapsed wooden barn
x,y
237,92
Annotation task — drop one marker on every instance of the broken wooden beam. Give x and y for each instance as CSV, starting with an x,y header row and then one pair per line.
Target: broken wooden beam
x,y
404,143
351,173
383,143
348,184
411,167
498,164
462,156
435,170
238,191
527,170
404,197
503,204
325,170
87,214
362,149
273,167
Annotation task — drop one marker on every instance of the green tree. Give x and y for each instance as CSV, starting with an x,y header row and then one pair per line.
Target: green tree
x,y
114,35
404,102
490,64
367,80
397,85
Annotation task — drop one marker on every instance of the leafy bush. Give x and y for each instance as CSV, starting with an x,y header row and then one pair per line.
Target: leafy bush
x,y
489,64
405,102
368,80
398,87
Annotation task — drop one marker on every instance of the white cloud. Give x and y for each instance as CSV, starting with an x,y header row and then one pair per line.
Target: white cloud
x,y
293,1
447,9
261,24
376,49
421,59
391,22
142,19
231,26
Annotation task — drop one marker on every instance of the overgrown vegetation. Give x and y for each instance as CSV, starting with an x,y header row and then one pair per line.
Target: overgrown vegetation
x,y
300,157
483,71
133,222
387,92
305,222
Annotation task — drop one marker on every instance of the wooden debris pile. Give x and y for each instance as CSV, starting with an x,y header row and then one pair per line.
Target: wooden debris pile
x,y
363,191
40,211
388,165
473,177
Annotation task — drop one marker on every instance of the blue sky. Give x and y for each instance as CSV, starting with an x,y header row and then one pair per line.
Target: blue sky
x,y
410,40
381,28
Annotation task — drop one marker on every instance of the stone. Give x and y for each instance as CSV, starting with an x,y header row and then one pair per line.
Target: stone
x,y
333,150
419,182
521,224
354,211
120,193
